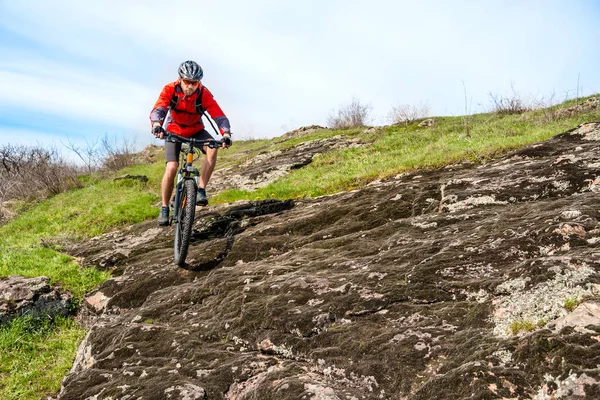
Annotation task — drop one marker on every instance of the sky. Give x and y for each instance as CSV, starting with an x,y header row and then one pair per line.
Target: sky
x,y
72,71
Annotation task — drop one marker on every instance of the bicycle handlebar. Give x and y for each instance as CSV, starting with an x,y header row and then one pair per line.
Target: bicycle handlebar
x,y
212,143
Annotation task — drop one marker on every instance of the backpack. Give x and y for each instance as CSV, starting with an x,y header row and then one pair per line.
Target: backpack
x,y
199,109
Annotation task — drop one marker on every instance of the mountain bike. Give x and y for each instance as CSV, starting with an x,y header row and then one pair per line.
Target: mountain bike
x,y
186,188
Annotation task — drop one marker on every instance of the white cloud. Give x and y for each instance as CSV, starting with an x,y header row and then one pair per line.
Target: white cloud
x,y
115,102
27,136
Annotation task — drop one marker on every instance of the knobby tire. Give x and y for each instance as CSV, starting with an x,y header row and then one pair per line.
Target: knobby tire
x,y
185,221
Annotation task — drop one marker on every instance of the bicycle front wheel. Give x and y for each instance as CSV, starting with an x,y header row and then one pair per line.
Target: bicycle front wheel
x,y
185,220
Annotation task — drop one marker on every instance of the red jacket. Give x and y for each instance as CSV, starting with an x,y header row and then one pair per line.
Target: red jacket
x,y
184,120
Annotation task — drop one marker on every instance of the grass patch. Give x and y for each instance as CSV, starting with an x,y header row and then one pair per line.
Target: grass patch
x,y
571,303
525,326
35,354
522,326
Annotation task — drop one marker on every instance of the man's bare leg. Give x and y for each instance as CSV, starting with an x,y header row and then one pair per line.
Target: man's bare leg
x,y
208,166
168,181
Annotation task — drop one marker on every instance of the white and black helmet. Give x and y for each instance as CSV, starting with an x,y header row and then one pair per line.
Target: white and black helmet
x,y
190,70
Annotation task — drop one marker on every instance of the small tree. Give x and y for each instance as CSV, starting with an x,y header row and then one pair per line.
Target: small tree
x,y
353,115
406,113
90,154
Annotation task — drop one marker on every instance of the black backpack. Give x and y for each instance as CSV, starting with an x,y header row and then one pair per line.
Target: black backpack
x,y
199,109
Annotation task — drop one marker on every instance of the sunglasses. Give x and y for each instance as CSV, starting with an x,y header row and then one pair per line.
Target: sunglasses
x,y
191,83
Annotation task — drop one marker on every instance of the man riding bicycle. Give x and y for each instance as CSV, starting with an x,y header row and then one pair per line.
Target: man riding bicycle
x,y
187,99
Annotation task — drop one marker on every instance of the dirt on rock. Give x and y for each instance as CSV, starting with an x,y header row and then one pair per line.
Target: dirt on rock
x,y
448,284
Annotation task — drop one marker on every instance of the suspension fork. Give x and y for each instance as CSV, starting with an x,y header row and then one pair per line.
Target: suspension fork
x,y
178,192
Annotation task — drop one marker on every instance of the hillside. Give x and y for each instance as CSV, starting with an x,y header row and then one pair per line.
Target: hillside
x,y
450,283
394,262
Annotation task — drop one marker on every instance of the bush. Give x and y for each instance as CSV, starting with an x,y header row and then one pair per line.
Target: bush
x,y
406,113
353,115
509,105
105,153
117,154
33,172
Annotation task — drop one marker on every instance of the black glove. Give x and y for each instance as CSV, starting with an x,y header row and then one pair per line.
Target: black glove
x,y
157,130
227,141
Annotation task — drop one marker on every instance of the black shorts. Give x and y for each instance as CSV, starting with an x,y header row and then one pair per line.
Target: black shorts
x,y
172,150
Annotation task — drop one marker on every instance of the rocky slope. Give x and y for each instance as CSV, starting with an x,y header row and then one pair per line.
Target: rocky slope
x,y
412,288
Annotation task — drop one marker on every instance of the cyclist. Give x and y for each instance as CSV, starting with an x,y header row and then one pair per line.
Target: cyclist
x,y
187,99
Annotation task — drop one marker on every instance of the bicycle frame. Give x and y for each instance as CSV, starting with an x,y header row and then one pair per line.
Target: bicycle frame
x,y
187,170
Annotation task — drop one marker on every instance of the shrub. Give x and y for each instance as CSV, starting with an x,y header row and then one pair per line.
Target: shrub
x,y
509,105
105,153
117,154
353,115
406,113
31,172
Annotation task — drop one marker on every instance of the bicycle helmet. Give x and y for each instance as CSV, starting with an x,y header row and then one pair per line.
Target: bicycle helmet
x,y
190,70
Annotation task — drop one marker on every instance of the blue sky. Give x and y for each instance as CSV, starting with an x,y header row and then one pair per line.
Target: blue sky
x,y
77,70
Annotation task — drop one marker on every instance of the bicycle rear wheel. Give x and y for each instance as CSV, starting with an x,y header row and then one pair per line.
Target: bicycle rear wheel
x,y
185,220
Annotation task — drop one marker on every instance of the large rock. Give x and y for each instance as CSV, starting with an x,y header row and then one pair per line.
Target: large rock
x,y
585,106
106,251
31,296
304,130
428,123
269,166
446,284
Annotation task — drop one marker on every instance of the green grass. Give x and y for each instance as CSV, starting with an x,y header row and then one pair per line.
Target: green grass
x,y
522,325
35,355
526,325
572,303
61,269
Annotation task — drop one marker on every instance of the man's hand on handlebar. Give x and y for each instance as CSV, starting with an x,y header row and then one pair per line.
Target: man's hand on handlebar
x,y
226,140
158,131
